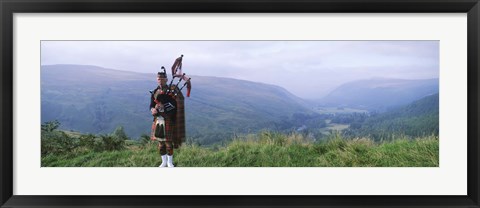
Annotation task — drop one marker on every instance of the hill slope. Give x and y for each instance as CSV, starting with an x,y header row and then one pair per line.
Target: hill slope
x,y
420,118
380,93
92,99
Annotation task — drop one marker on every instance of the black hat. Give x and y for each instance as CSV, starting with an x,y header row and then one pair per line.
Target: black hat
x,y
162,74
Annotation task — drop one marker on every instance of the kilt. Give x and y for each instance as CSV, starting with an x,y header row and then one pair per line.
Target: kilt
x,y
174,123
169,128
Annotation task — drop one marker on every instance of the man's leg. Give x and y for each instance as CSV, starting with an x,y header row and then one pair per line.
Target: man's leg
x,y
169,149
163,152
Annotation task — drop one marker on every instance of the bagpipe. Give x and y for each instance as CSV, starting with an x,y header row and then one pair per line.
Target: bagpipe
x,y
170,102
177,72
167,99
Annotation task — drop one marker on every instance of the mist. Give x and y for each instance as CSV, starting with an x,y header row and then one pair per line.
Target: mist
x,y
308,69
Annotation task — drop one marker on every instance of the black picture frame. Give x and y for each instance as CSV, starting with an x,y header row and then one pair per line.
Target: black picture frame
x,y
10,7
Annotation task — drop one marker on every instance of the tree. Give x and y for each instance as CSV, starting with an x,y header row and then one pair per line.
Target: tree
x,y
50,126
119,134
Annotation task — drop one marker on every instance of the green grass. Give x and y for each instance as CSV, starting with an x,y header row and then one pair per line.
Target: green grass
x,y
267,149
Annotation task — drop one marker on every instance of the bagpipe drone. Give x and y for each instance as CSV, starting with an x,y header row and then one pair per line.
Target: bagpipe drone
x,y
167,98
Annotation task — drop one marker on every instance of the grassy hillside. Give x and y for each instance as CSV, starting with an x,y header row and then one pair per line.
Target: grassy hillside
x,y
266,149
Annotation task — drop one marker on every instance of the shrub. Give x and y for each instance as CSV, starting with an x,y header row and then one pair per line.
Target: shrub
x,y
119,133
145,140
57,142
110,143
87,141
50,126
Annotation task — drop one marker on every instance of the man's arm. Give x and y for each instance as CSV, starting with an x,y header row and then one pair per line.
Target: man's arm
x,y
152,103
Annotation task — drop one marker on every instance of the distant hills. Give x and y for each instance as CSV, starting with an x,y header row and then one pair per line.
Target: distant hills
x,y
417,119
93,99
220,107
380,93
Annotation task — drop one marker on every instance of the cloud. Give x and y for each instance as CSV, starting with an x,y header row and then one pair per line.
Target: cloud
x,y
309,69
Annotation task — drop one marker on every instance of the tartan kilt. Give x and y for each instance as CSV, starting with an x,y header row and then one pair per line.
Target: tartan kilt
x,y
169,128
174,125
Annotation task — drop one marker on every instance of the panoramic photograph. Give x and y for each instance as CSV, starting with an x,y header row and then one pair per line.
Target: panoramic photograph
x,y
239,103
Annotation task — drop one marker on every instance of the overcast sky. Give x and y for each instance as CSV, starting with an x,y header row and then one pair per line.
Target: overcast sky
x,y
309,69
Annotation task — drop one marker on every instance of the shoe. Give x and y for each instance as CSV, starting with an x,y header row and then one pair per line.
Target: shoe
x,y
164,161
170,161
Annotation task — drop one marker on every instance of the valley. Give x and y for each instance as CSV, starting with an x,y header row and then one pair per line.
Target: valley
x,y
92,99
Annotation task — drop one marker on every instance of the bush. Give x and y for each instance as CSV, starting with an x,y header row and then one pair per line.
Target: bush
x,y
57,142
120,134
109,143
87,141
145,140
50,126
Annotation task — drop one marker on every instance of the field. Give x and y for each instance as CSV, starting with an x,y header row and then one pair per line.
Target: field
x,y
332,110
333,127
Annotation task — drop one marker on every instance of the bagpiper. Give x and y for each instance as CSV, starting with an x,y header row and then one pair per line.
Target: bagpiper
x,y
168,110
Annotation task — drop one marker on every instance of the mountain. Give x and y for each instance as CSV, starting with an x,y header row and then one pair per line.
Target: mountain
x,y
93,99
237,106
380,93
419,118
